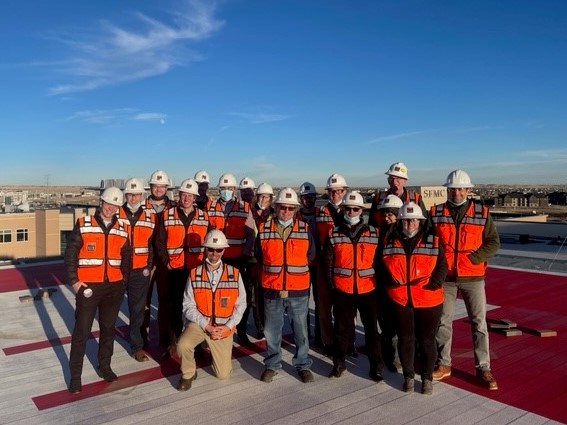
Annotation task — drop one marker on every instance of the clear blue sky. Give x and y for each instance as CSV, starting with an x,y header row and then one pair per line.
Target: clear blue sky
x,y
283,91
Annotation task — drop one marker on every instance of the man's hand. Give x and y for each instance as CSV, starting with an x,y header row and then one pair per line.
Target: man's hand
x,y
77,285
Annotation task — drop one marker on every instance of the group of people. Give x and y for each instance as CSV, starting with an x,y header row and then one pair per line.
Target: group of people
x,y
213,262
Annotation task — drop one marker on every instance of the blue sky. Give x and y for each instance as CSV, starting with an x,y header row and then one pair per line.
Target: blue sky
x,y
283,91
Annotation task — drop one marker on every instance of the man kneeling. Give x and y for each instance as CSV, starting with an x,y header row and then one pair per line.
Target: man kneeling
x,y
213,304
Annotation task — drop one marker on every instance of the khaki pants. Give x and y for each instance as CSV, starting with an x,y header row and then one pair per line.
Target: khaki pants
x,y
221,351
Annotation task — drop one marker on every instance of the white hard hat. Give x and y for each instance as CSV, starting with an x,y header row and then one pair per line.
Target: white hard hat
x,y
227,180
160,177
353,199
264,189
336,181
287,196
398,169
307,189
134,186
113,195
458,179
189,186
202,177
247,183
409,211
215,239
391,201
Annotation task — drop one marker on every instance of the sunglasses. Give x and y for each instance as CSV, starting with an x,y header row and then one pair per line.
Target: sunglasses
x,y
353,209
287,208
215,249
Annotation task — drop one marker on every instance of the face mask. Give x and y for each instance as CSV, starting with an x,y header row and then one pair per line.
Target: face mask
x,y
134,207
352,220
211,263
226,195
459,204
286,223
410,234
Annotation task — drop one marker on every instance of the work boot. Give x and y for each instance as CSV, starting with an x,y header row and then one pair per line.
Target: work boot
x,y
107,374
409,384
486,379
426,386
185,384
75,385
441,371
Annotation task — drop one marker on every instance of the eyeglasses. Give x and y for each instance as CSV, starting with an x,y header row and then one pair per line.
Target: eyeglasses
x,y
336,191
283,208
353,209
218,250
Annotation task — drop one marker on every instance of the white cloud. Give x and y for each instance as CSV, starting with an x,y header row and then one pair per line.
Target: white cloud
x,y
398,136
260,117
150,116
118,54
101,116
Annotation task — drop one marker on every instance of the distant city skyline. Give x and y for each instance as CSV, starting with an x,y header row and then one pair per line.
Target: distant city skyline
x,y
284,92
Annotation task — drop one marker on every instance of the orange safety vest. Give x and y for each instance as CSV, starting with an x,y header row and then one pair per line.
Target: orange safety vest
x,y
139,234
353,270
217,305
325,224
233,225
284,264
185,245
100,257
459,240
380,195
413,272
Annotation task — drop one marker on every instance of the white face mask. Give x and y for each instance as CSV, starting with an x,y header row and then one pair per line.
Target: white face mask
x,y
352,220
286,223
458,204
410,234
226,195
211,263
133,207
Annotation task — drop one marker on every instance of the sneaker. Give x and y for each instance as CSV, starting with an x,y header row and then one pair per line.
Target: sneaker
x,y
337,372
486,379
185,384
409,384
107,374
75,385
306,376
268,375
427,386
441,371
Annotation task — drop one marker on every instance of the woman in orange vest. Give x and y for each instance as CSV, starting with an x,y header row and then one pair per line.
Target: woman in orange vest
x,y
349,259
98,259
412,266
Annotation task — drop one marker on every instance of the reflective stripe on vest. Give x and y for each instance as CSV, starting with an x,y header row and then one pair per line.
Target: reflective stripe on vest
x,y
100,256
460,240
353,271
285,265
140,234
413,272
216,305
184,244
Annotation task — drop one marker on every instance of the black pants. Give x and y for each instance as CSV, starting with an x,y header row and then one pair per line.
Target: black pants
x,y
345,308
137,291
177,280
417,325
106,299
387,322
159,279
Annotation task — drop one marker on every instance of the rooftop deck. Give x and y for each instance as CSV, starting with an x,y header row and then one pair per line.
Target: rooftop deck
x,y
531,370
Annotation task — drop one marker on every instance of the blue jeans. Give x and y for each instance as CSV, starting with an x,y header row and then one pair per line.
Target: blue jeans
x,y
474,297
297,310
